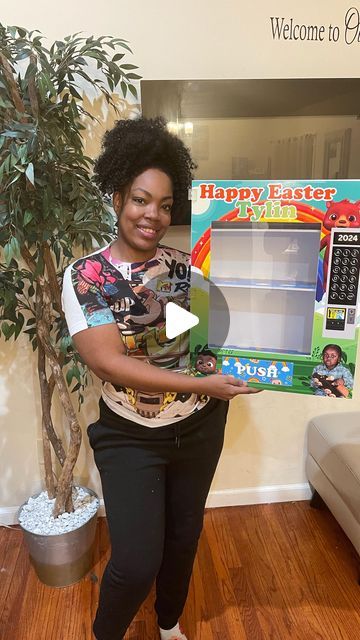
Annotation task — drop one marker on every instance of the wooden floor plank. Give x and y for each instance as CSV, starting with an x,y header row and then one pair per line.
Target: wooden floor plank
x,y
224,537
197,615
301,581
256,550
12,607
10,546
321,573
245,611
221,549
264,572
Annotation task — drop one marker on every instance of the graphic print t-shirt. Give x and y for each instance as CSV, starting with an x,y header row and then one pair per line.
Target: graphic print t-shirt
x,y
98,290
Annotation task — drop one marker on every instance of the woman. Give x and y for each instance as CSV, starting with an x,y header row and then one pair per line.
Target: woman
x,y
160,432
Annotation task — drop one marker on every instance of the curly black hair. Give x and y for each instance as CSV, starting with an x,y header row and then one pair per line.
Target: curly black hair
x,y
132,146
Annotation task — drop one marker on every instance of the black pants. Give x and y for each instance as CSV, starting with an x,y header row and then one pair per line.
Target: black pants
x,y
155,482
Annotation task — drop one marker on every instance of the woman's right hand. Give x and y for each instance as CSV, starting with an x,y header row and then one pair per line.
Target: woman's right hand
x,y
224,387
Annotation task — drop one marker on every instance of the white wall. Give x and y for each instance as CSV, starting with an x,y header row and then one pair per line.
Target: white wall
x,y
265,440
202,39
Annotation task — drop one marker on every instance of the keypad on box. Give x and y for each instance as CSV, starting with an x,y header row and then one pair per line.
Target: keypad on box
x,y
344,275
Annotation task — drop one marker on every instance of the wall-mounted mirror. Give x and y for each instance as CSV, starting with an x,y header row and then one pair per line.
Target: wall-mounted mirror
x,y
262,129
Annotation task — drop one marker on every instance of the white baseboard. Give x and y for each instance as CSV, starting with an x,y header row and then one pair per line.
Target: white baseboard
x,y
221,498
8,516
259,495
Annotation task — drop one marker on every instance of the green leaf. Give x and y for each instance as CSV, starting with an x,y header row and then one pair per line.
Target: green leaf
x,y
15,247
74,109
128,66
133,90
19,325
75,93
65,343
8,253
80,61
124,46
28,216
47,234
23,54
31,70
94,54
123,86
7,330
133,76
69,375
31,332
5,104
30,173
56,250
46,84
16,177
61,87
22,32
118,56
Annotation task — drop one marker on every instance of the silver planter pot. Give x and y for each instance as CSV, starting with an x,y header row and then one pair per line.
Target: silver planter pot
x,y
62,559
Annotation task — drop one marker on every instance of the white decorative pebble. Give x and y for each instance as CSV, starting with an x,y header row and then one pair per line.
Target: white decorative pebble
x,y
36,515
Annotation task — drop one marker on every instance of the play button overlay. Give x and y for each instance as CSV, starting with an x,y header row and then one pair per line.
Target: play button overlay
x,y
209,317
178,320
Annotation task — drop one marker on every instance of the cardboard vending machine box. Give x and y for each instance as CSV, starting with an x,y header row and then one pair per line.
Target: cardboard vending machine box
x,y
275,278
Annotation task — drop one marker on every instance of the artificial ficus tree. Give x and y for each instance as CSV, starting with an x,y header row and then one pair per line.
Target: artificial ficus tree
x,y
49,206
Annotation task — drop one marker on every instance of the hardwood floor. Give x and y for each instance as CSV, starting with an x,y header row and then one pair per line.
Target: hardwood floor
x,y
264,572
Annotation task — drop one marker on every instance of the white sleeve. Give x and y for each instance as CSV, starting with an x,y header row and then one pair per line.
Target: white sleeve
x,y
79,317
74,314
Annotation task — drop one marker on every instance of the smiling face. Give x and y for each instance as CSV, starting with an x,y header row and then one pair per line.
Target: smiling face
x,y
331,358
205,364
144,215
342,214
